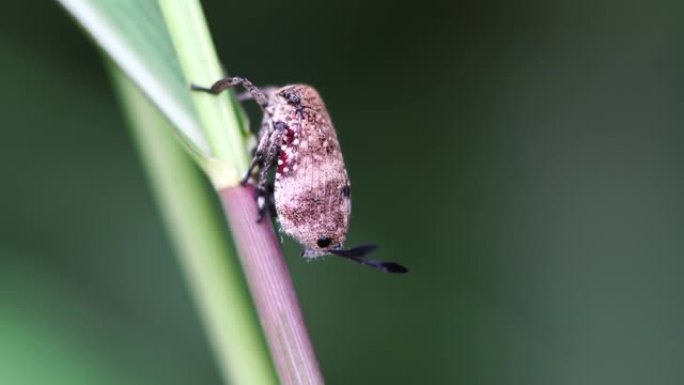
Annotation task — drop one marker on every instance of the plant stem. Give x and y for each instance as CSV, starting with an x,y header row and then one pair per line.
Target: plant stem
x,y
258,248
222,124
198,237
269,280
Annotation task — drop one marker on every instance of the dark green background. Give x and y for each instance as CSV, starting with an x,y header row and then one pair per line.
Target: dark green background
x,y
524,159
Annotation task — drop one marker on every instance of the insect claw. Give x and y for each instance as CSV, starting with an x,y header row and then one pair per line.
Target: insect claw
x,y
195,87
393,267
260,216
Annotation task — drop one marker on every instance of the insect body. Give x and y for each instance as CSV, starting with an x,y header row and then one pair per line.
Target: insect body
x,y
311,191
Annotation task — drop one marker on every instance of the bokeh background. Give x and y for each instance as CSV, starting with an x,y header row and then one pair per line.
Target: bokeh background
x,y
524,159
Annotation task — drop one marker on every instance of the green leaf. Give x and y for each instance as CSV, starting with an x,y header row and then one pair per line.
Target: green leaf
x,y
134,34
222,124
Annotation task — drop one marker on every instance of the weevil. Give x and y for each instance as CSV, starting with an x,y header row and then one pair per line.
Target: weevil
x,y
311,193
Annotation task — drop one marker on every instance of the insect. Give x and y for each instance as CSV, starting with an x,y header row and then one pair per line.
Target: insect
x,y
311,193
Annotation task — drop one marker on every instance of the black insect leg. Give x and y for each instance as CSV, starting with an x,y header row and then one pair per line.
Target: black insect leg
x,y
258,156
259,97
261,197
271,200
357,254
257,161
266,202
271,145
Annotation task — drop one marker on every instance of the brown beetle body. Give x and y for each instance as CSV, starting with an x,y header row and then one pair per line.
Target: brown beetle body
x,y
311,192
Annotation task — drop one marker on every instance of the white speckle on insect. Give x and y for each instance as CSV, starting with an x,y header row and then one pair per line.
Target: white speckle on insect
x,y
283,147
280,162
295,142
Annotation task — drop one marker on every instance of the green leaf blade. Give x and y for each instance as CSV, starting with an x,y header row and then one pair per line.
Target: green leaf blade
x,y
133,33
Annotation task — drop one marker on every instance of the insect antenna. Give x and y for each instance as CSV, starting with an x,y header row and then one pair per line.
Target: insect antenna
x,y
356,254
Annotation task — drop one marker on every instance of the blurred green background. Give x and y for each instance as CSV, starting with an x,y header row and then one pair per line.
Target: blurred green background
x,y
524,159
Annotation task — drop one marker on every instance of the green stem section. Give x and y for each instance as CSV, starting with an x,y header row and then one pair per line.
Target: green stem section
x,y
198,236
221,121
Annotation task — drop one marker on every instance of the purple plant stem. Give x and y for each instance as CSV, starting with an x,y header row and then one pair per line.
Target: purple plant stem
x,y
272,290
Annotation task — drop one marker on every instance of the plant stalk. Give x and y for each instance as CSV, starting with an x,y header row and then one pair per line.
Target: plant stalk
x,y
198,236
269,280
258,248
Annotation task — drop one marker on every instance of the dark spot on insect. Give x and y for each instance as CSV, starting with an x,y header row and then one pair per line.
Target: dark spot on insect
x,y
292,96
280,125
346,191
323,242
299,112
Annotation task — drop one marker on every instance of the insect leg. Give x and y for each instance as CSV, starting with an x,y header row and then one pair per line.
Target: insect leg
x,y
265,201
258,156
241,97
356,254
270,145
271,200
259,97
